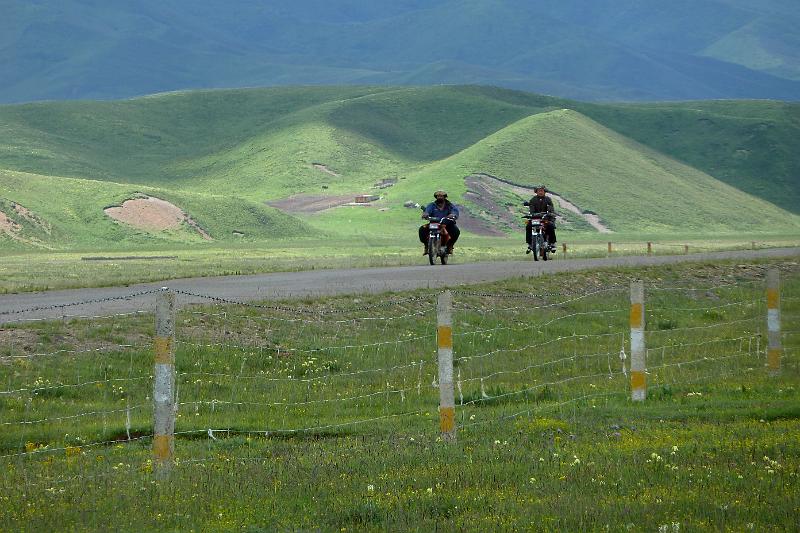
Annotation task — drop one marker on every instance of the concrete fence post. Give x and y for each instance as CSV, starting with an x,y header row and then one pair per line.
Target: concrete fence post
x,y
638,363
564,248
444,335
164,382
774,349
685,249
609,247
649,248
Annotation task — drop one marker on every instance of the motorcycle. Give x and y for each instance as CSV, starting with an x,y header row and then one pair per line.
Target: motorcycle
x,y
437,241
539,244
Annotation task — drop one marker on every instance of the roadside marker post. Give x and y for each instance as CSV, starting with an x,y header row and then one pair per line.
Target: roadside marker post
x,y
164,383
774,349
444,335
638,363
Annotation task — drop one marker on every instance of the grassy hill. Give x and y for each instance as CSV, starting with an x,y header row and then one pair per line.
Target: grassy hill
x,y
220,155
751,145
631,187
72,216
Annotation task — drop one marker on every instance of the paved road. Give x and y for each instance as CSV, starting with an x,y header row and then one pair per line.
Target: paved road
x,y
140,298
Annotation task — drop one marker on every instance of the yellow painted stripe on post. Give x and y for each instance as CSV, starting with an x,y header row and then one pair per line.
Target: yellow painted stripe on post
x,y
445,335
772,298
636,315
162,446
638,380
774,357
164,350
447,419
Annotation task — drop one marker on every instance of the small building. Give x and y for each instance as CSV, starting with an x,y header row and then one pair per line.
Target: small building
x,y
366,198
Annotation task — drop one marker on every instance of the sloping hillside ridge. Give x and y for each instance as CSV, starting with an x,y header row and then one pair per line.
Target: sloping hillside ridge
x,y
73,211
631,187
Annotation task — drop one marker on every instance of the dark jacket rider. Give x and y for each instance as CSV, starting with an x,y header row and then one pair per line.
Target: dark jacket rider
x,y
541,203
436,210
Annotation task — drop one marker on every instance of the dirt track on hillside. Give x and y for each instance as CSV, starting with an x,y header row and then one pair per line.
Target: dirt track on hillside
x,y
116,300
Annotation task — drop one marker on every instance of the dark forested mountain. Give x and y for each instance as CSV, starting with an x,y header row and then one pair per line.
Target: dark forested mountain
x,y
586,49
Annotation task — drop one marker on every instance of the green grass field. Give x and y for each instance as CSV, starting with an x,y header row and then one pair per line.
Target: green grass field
x,y
322,413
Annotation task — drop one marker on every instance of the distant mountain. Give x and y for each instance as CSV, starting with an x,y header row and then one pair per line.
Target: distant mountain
x,y
585,49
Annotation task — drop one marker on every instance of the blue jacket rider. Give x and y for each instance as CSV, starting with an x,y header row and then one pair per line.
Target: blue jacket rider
x,y
436,210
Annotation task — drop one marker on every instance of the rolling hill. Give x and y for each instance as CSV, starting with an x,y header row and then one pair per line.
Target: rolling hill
x,y
50,212
220,156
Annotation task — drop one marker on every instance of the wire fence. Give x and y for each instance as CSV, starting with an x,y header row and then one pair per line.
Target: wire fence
x,y
612,248
337,368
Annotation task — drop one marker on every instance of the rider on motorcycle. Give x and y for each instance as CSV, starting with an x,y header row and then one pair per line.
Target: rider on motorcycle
x,y
542,204
436,210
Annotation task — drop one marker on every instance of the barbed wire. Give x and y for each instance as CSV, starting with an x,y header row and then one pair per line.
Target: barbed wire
x,y
288,309
695,328
534,325
214,402
710,288
65,351
72,417
82,317
326,377
537,296
538,386
53,307
37,389
542,344
49,450
695,309
539,365
287,350
464,306
309,429
226,316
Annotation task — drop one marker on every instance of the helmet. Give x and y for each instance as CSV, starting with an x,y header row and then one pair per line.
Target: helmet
x,y
438,193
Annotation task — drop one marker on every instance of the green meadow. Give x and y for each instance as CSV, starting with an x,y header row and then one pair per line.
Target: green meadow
x,y
322,413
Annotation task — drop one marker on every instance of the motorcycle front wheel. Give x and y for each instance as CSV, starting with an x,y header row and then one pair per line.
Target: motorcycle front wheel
x,y
433,247
537,246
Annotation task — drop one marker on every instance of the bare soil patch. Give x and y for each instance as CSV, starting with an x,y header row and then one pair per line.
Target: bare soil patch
x,y
16,219
325,169
311,203
28,215
485,188
495,215
18,339
8,226
153,214
29,341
